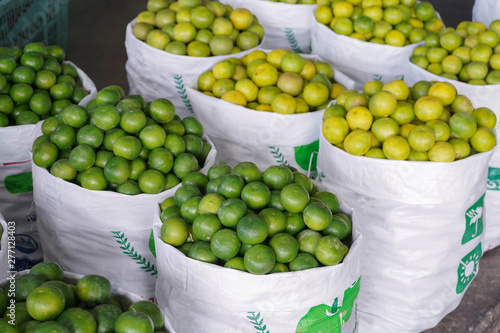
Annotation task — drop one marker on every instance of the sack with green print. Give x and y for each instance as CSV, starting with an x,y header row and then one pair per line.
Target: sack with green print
x,y
265,138
486,11
99,232
6,262
287,25
480,96
16,187
154,73
360,60
422,227
195,296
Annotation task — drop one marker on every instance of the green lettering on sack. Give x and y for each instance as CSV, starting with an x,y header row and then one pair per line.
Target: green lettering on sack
x,y
21,183
330,318
467,269
307,155
474,221
493,183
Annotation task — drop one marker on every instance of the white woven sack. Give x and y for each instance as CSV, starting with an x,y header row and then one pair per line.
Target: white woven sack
x,y
480,96
286,26
101,232
265,138
422,224
195,296
7,260
486,11
16,186
154,73
361,61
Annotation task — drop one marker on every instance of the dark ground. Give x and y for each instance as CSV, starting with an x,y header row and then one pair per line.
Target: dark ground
x,y
96,45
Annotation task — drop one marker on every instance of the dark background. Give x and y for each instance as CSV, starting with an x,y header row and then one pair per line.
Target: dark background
x,y
96,45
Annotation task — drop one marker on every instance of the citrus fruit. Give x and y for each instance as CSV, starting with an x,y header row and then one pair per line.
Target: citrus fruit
x,y
174,231
77,320
252,229
294,198
256,195
396,148
329,250
225,244
441,152
259,259
231,211
132,320
45,303
317,216
201,250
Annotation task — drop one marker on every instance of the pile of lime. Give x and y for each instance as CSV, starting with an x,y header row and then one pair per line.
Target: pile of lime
x,y
45,301
428,122
391,22
197,28
280,81
259,222
470,53
121,143
35,82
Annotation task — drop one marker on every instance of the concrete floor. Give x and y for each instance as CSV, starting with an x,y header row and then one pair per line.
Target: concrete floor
x,y
96,45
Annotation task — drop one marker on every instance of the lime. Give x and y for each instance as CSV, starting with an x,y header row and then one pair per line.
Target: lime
x,y
275,219
231,211
303,261
294,198
285,247
77,320
256,195
230,186
174,231
225,244
200,250
329,250
105,316
93,289
259,259
132,321
45,303
151,309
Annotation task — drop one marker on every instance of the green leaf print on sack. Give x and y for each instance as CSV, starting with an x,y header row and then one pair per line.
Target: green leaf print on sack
x,y
257,322
21,183
129,250
290,37
307,155
324,318
181,90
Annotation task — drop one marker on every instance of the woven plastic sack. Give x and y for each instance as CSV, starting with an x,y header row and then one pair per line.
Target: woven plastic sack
x,y
486,11
480,96
103,232
195,296
287,26
16,186
154,73
265,138
422,224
